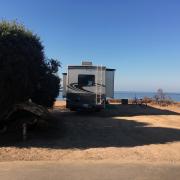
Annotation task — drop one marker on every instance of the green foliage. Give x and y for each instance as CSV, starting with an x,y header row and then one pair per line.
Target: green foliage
x,y
24,72
49,85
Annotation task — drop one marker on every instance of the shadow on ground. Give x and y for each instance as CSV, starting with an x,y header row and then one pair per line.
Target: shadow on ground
x,y
94,130
134,110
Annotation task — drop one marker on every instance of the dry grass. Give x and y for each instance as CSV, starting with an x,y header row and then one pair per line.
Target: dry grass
x,y
60,104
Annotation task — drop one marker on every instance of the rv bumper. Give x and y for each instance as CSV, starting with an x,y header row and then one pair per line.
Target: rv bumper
x,y
74,106
83,101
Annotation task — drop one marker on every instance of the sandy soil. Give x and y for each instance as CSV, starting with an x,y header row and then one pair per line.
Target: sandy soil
x,y
128,133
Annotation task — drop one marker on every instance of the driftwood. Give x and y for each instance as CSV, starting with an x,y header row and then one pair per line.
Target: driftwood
x,y
34,112
31,107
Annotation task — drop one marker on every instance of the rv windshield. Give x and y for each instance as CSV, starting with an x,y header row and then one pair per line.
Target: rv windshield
x,y
86,80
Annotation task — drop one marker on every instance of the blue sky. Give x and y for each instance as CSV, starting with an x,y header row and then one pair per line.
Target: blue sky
x,y
139,38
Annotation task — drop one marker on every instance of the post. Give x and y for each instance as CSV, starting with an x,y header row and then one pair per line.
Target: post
x,y
24,131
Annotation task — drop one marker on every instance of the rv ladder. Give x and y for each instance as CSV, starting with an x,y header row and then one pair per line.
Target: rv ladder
x,y
96,82
101,86
99,74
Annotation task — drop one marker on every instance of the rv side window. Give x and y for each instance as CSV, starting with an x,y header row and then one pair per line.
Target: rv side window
x,y
86,80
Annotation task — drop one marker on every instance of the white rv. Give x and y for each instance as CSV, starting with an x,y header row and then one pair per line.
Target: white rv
x,y
87,86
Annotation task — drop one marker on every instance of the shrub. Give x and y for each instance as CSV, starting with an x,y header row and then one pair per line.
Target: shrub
x,y
162,99
24,72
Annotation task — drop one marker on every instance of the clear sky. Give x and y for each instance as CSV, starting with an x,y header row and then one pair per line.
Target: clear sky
x,y
139,38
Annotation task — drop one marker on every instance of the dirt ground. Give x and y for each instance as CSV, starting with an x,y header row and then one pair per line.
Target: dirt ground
x,y
125,133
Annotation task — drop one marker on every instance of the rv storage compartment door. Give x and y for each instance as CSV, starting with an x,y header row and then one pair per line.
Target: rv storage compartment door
x,y
110,83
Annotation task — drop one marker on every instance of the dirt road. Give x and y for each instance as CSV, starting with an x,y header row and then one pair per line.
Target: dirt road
x,y
88,171
120,133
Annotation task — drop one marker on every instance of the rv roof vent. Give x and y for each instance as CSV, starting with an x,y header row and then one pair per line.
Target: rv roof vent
x,y
86,63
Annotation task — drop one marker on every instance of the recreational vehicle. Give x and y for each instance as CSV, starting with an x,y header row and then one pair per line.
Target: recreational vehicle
x,y
87,86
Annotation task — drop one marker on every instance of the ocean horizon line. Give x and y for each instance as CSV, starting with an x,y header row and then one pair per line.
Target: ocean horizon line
x,y
126,91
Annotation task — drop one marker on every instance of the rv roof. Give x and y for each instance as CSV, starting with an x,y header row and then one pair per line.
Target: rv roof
x,y
86,67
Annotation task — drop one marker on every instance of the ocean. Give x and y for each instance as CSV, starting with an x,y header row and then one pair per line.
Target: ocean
x,y
132,95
